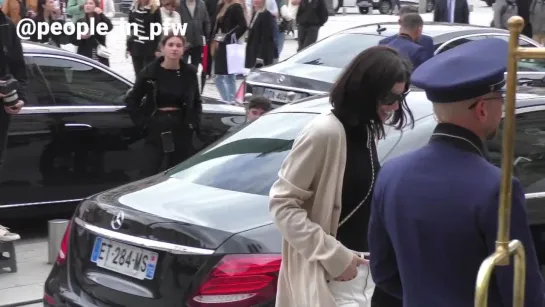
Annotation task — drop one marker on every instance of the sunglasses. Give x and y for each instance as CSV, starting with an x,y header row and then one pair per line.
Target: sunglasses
x,y
392,98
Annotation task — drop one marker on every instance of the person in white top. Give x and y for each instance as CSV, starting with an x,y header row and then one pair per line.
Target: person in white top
x,y
169,15
108,8
270,5
288,12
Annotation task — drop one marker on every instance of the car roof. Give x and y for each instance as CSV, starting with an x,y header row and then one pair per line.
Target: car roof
x,y
437,30
32,47
417,101
430,28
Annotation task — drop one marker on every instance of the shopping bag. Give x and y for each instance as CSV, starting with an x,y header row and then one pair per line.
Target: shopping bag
x,y
236,55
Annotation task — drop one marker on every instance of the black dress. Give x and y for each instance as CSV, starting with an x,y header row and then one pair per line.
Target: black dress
x,y
232,22
359,174
88,47
260,43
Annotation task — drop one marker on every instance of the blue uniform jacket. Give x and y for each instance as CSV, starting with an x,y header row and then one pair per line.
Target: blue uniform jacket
x,y
416,53
434,220
424,41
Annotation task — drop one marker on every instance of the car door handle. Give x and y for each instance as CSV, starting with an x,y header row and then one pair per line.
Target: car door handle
x,y
76,125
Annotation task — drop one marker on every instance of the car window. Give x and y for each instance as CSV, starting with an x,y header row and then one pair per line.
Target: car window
x,y
526,64
38,93
326,52
250,159
77,84
459,42
529,150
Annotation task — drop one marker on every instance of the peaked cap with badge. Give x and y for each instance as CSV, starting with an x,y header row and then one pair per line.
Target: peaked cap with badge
x,y
467,71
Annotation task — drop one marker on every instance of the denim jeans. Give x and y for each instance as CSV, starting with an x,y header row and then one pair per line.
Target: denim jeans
x,y
227,86
280,42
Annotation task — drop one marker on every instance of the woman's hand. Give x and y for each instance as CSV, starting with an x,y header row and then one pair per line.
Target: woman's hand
x,y
98,11
352,271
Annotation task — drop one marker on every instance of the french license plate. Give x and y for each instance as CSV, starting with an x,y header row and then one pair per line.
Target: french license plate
x,y
281,96
124,259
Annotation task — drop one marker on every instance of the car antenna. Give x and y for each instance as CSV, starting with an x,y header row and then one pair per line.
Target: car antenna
x,y
380,29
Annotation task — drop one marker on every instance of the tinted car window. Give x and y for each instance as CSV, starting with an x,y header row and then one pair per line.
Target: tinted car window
x,y
326,52
460,41
524,64
529,150
527,64
37,93
249,160
77,84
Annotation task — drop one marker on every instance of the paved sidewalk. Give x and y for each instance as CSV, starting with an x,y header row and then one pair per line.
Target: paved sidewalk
x,y
32,270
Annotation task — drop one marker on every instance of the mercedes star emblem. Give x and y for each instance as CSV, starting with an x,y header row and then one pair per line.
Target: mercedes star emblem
x,y
117,220
280,79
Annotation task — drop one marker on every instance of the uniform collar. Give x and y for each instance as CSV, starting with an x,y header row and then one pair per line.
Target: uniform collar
x,y
460,138
405,36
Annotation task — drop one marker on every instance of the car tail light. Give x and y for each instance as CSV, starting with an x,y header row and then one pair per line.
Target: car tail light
x,y
239,97
239,281
63,251
49,300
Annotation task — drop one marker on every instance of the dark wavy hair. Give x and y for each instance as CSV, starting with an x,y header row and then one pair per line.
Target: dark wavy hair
x,y
368,79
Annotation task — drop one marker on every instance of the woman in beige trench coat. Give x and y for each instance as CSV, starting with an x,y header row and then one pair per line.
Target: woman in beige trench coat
x,y
326,180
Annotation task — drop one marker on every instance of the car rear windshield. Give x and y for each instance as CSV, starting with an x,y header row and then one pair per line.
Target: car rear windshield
x,y
336,50
249,160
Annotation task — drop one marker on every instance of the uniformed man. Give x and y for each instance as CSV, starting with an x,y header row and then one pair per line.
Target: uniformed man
x,y
434,211
425,40
406,42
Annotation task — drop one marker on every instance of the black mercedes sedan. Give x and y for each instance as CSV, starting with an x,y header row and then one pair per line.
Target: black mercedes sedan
x,y
75,138
314,69
200,234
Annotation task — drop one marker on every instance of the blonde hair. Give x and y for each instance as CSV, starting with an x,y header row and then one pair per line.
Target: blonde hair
x,y
153,4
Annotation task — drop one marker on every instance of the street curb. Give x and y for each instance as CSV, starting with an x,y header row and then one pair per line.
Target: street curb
x,y
23,303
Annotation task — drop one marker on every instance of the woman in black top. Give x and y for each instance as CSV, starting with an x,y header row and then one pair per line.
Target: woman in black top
x,y
48,12
260,48
172,104
230,26
143,14
92,46
368,95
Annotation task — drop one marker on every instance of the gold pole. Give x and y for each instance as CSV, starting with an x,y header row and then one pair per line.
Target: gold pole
x,y
504,247
515,26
